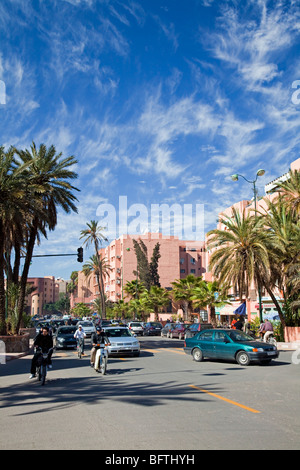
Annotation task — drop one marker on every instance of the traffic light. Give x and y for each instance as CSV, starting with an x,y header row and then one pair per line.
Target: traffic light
x,y
80,255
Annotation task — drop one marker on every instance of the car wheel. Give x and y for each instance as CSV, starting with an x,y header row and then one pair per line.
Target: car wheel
x,y
243,358
197,355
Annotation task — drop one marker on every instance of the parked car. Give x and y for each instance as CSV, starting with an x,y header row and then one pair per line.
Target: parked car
x,y
229,345
178,330
166,329
88,327
121,341
64,337
136,327
193,329
152,328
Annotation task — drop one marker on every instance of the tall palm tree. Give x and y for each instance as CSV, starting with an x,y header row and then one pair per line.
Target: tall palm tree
x,y
183,290
47,179
241,254
98,267
93,235
284,249
14,204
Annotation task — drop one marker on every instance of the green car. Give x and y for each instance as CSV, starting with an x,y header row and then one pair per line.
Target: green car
x,y
229,345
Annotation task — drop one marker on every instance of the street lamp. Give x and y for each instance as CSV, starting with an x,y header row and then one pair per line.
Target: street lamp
x,y
235,177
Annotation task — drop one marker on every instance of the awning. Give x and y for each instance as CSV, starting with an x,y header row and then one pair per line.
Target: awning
x,y
226,310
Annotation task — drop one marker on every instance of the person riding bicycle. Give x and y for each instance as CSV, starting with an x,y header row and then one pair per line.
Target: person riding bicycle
x,y
44,341
97,338
266,329
79,336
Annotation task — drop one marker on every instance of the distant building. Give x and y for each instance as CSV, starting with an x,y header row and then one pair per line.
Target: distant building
x,y
178,259
45,290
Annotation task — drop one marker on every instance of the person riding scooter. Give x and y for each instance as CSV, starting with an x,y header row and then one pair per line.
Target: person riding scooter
x,y
266,330
43,341
97,338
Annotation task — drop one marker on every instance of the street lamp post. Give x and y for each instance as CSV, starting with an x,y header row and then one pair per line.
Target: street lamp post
x,y
235,177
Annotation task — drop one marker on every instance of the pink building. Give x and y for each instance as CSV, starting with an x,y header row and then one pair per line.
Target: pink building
x,y
45,292
178,259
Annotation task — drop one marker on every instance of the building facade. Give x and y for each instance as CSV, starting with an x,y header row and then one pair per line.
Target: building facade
x,y
178,259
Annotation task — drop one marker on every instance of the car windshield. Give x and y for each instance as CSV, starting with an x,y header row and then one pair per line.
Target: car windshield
x,y
66,330
116,332
86,323
239,336
155,324
135,324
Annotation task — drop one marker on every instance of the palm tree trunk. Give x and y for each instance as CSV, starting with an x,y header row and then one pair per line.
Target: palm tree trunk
x,y
277,306
23,283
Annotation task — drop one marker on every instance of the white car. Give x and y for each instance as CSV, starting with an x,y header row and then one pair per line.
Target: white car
x,y
88,327
121,341
136,327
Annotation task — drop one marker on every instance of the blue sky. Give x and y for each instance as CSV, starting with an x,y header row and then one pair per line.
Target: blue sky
x,y
159,100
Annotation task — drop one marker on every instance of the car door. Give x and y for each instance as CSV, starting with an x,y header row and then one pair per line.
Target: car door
x,y
221,345
206,343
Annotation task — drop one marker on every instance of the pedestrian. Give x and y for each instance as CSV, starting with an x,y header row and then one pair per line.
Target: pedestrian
x,y
239,324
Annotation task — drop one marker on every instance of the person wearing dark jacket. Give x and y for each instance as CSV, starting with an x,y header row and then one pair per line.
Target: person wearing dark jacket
x,y
97,338
44,341
239,324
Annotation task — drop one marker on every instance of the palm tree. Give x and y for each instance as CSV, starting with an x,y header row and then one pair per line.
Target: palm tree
x,y
289,191
121,308
155,299
284,249
47,177
211,294
14,204
93,235
183,290
98,267
134,289
241,254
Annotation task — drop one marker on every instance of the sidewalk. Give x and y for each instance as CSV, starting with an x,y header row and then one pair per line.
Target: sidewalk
x,y
10,356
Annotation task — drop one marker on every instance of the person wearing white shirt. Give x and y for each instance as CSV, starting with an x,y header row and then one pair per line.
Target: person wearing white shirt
x,y
79,336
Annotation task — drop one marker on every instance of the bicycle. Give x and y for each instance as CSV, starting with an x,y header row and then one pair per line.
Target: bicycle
x,y
80,348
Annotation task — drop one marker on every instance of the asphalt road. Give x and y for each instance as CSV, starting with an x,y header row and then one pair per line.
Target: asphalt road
x,y
162,400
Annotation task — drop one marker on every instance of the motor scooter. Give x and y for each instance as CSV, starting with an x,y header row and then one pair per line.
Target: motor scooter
x,y
101,359
270,338
42,364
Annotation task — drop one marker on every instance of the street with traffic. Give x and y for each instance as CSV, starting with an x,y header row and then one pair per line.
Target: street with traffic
x,y
162,400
